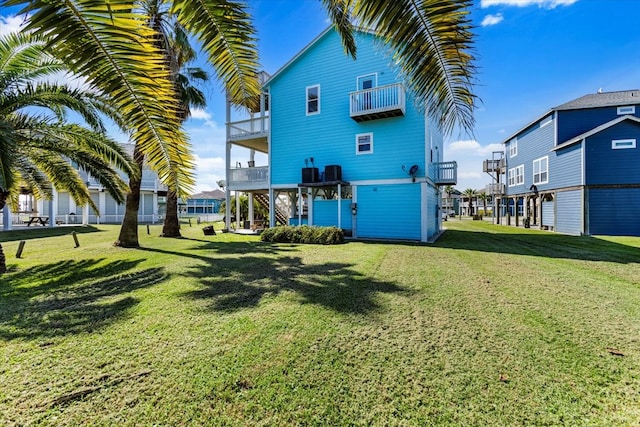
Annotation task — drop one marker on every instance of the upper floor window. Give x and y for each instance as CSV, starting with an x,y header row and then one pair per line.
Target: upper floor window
x,y
627,109
313,100
516,176
513,147
541,170
621,144
364,143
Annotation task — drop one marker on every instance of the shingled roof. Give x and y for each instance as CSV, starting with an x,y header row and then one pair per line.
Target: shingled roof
x,y
602,99
215,195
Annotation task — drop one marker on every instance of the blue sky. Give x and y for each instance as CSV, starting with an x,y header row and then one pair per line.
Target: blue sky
x,y
532,55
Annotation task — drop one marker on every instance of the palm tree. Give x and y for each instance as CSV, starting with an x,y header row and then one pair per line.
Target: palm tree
x,y
470,193
38,149
174,42
111,45
484,197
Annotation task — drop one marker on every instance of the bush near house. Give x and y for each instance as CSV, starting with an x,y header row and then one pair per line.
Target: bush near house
x,y
303,234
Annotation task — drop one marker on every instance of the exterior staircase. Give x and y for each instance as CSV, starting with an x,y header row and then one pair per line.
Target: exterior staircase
x,y
282,218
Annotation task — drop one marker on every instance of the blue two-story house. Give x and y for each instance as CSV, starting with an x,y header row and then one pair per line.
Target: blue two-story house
x,y
575,169
345,145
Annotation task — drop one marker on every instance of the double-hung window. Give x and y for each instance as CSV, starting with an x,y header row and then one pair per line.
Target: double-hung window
x,y
515,176
541,170
513,147
313,100
364,143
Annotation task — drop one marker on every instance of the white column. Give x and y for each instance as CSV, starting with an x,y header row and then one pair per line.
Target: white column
x,y
339,205
310,203
155,207
6,218
424,214
85,213
300,205
250,197
237,209
52,213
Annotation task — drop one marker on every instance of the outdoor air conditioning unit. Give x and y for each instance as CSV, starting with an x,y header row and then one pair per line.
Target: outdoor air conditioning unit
x,y
310,175
333,173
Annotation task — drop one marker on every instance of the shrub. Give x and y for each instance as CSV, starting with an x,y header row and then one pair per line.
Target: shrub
x,y
303,234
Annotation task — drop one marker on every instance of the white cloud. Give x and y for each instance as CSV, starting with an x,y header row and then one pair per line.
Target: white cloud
x,y
199,113
548,4
469,155
11,24
490,20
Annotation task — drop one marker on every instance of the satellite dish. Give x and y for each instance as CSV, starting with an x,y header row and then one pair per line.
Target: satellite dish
x,y
413,170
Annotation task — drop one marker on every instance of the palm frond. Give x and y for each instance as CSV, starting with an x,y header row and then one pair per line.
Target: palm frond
x,y
340,14
114,50
431,42
227,35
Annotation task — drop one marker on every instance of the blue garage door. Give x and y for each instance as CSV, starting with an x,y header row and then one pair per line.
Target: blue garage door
x,y
389,211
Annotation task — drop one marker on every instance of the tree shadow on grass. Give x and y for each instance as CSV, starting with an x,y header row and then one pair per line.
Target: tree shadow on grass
x,y
243,282
77,297
543,244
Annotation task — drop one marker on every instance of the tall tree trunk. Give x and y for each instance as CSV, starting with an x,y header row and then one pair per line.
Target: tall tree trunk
x,y
3,259
128,237
171,226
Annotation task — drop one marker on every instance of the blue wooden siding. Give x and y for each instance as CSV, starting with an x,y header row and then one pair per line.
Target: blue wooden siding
x,y
432,214
614,212
329,137
572,123
605,165
389,211
534,142
567,167
548,214
569,212
325,213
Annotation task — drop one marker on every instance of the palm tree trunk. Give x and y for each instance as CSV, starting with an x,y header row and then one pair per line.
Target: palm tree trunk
x,y
128,237
3,259
171,226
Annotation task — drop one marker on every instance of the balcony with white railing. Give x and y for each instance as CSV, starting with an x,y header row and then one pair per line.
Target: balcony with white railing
x,y
495,189
253,178
251,133
377,103
445,173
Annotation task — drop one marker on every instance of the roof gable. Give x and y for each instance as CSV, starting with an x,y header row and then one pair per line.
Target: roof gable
x,y
596,130
305,50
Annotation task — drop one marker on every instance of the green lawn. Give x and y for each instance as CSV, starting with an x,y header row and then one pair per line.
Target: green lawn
x,y
490,326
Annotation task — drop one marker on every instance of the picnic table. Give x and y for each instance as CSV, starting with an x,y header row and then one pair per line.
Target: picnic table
x,y
42,220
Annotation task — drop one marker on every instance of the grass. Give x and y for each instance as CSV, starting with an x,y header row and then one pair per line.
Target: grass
x,y
489,326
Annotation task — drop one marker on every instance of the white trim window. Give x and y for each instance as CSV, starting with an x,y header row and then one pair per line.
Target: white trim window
x,y
541,170
313,100
627,109
513,147
516,176
364,143
621,144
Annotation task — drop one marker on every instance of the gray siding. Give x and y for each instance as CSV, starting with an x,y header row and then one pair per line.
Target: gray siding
x,y
614,212
533,143
548,214
569,212
567,167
